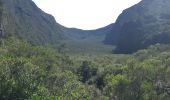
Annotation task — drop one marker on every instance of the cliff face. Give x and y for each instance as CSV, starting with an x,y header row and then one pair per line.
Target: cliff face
x,y
24,19
142,25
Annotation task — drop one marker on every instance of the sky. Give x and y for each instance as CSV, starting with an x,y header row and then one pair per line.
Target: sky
x,y
85,14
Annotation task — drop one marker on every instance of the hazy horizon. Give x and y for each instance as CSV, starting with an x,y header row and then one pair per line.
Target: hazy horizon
x,y
85,14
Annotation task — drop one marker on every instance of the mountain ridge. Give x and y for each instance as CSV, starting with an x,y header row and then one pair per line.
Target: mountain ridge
x,y
25,20
80,34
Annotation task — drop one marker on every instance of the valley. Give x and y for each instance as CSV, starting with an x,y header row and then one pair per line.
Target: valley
x,y
43,60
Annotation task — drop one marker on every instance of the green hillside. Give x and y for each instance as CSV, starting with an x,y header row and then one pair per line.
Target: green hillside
x,y
24,19
142,25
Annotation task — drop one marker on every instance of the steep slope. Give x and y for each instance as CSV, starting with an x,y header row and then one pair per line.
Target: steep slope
x,y
142,25
24,19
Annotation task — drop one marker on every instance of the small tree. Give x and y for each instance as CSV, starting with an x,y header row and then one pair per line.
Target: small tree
x,y
86,71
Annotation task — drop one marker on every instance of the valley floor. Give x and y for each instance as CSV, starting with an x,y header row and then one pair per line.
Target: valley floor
x,y
93,46
43,73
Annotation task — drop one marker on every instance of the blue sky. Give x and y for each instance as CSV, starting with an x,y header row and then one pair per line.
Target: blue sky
x,y
85,14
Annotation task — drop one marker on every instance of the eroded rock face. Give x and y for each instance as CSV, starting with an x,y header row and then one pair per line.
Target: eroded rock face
x,y
144,24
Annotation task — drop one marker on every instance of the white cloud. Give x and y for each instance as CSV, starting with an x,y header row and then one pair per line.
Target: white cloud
x,y
85,14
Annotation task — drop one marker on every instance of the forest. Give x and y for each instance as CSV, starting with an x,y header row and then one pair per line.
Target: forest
x,y
34,72
43,60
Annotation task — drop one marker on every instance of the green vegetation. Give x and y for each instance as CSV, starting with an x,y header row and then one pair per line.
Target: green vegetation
x,y
83,69
42,73
88,46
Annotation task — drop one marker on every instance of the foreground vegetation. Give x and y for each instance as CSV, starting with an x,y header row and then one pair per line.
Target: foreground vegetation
x,y
42,73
